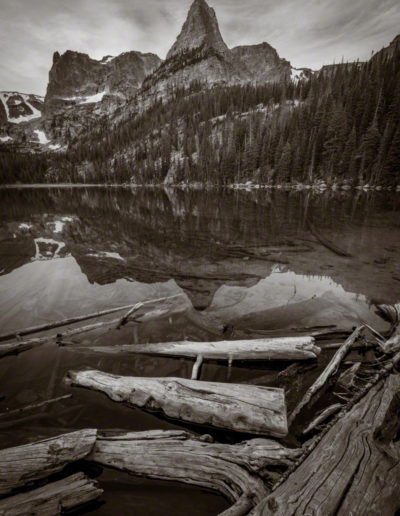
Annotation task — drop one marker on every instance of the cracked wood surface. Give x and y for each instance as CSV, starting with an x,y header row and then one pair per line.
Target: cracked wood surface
x,y
285,348
23,464
52,499
236,470
242,408
350,471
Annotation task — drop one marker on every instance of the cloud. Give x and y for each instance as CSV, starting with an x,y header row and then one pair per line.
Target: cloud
x,y
306,32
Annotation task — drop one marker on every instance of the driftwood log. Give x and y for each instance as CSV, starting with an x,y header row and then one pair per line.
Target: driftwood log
x,y
233,470
22,465
242,408
34,406
329,371
285,348
52,499
352,470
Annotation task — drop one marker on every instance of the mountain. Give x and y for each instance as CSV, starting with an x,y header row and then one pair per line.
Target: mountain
x,y
200,54
200,30
83,87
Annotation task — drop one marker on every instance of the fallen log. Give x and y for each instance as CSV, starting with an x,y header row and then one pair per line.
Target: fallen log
x,y
79,318
285,348
326,243
41,404
349,471
329,371
15,347
233,470
322,417
23,464
241,408
52,499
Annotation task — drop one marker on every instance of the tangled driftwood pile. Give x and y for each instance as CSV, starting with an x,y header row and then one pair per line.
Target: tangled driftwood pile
x,y
347,458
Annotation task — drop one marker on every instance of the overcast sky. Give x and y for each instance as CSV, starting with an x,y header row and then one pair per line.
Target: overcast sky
x,y
309,33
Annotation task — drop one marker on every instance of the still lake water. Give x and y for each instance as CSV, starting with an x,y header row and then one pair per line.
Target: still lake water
x,y
247,258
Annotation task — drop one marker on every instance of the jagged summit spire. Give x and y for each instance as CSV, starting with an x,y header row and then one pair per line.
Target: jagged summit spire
x,y
200,28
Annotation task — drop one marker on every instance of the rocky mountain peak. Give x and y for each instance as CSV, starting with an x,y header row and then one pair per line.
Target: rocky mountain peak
x,y
200,29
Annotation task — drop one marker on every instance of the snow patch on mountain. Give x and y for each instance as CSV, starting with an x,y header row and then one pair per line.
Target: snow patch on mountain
x,y
42,136
6,98
4,139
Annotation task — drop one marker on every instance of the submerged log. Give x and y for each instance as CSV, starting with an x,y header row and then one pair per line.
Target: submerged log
x,y
23,464
326,243
52,499
34,406
242,408
349,471
329,371
233,470
79,318
285,348
15,347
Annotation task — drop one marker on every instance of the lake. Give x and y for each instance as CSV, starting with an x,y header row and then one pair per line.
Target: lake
x,y
255,260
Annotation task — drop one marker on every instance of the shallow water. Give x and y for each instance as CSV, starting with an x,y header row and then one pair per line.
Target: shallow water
x,y
246,258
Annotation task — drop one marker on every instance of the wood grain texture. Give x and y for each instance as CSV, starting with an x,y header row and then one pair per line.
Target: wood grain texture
x,y
350,471
52,499
242,408
233,470
23,464
285,348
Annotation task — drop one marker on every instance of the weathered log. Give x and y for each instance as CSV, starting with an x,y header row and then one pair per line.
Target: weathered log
x,y
233,470
348,472
322,417
285,348
23,464
52,499
329,371
34,406
242,408
15,348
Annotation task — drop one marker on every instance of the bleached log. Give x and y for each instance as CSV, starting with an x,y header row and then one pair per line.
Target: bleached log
x,y
285,348
23,464
34,406
233,470
242,408
322,417
349,471
329,371
52,499
347,378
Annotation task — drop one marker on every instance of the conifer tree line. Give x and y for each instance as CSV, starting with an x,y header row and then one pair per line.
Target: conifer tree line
x,y
342,125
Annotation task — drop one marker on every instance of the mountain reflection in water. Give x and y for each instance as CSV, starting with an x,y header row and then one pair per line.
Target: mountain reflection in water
x,y
59,245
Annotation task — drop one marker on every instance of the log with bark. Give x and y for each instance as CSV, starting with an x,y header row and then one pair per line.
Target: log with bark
x,y
233,470
242,408
22,465
52,499
351,470
285,348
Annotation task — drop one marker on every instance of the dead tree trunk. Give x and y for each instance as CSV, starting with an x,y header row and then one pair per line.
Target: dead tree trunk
x,y
233,470
242,408
24,464
52,499
353,470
